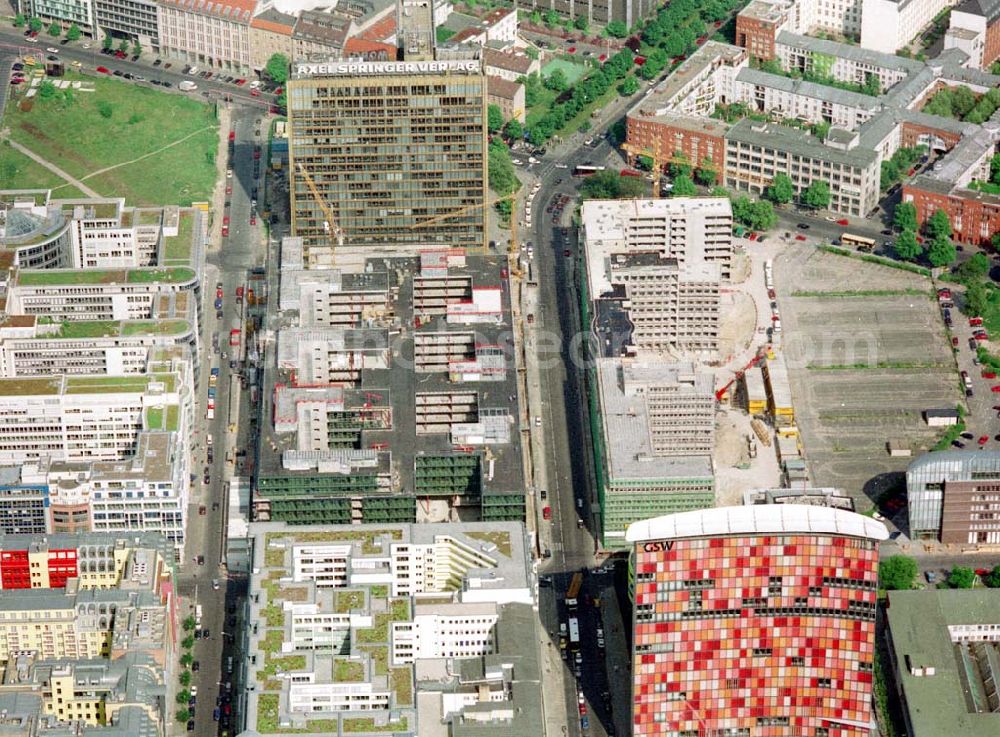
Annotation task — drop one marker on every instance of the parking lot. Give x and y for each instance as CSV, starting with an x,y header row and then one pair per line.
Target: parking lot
x,y
867,353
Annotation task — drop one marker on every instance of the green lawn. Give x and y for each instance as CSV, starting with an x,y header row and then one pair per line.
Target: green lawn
x,y
348,600
402,685
41,277
17,171
348,671
77,138
177,249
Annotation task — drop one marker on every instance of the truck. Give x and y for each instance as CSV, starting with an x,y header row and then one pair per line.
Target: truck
x,y
197,616
211,392
239,295
573,592
187,86
234,337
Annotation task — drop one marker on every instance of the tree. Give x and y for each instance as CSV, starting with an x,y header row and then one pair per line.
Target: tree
x,y
189,624
680,166
977,298
20,21
705,174
617,132
74,33
889,175
123,45
781,190
896,573
872,86
718,192
907,247
816,195
55,30
514,130
551,18
188,642
136,47
617,29
108,43
938,225
183,697
905,216
821,130
531,52
961,577
629,86
35,25
992,579
502,179
182,715
581,23
187,659
277,68
683,187
556,81
494,118
975,268
185,678
610,185
535,18
47,90
942,252
105,109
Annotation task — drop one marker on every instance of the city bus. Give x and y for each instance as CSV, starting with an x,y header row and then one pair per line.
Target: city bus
x,y
585,170
864,244
573,592
574,632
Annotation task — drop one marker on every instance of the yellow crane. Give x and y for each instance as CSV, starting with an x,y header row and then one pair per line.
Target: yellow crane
x,y
656,157
512,254
330,224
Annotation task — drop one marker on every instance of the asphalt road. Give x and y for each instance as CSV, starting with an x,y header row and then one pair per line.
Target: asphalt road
x,y
242,250
13,40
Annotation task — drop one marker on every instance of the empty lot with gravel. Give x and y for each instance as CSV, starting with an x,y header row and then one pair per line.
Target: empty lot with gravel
x,y
867,353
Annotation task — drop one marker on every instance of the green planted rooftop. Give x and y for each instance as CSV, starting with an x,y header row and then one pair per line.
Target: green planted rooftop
x,y
70,277
108,384
27,387
177,249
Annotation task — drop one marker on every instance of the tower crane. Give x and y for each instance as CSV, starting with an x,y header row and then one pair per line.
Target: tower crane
x,y
657,159
330,227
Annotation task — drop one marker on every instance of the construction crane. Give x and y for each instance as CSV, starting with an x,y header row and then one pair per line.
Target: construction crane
x,y
512,255
760,356
330,226
656,158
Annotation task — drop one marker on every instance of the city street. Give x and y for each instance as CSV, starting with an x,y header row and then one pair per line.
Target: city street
x,y
242,250
12,39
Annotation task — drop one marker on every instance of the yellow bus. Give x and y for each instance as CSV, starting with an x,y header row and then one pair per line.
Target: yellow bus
x,y
864,244
573,592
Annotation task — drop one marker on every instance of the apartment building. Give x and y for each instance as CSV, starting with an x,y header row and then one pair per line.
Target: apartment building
x,y
214,35
445,631
890,25
349,590
805,101
974,27
94,692
509,65
270,33
955,497
89,418
508,96
756,152
709,586
24,500
668,135
657,437
660,263
629,12
74,623
29,347
498,28
137,20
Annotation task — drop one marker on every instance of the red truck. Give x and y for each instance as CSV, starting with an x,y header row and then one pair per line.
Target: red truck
x,y
234,337
239,295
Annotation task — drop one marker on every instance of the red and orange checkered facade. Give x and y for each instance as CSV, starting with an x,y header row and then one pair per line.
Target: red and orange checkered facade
x,y
754,635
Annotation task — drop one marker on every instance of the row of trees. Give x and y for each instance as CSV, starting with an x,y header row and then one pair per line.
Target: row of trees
x,y
584,92
782,191
187,658
899,573
895,167
55,29
961,103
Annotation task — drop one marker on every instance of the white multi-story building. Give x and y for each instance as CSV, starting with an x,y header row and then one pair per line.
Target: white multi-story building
x,y
305,696
89,418
215,35
806,101
890,25
445,631
66,12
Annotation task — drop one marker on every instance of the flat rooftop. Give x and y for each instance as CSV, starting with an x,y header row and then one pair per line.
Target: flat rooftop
x,y
389,392
924,631
627,441
695,67
91,277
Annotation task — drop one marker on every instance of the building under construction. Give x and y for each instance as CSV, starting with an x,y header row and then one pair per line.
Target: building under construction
x,y
390,154
393,396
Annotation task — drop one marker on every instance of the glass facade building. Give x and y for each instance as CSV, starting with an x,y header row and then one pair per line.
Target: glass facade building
x,y
754,621
395,152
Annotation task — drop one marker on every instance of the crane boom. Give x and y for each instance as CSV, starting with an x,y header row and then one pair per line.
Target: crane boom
x,y
330,224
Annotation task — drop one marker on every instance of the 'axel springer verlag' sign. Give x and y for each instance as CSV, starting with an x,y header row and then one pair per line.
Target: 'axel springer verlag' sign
x,y
469,66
